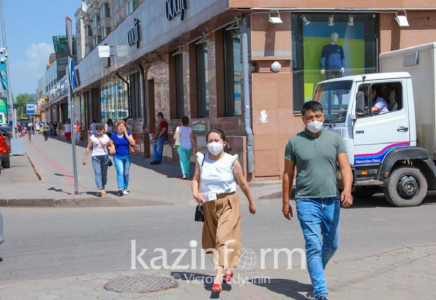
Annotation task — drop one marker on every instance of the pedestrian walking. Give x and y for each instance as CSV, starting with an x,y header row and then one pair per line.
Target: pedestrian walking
x,y
46,130
109,127
55,126
121,139
77,131
92,128
101,147
20,129
67,131
214,185
186,143
315,153
159,137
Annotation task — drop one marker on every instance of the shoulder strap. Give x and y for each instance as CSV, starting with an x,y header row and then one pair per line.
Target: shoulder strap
x,y
204,157
101,145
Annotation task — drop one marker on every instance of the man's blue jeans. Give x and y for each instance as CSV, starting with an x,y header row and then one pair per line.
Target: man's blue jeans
x,y
158,148
122,165
319,220
100,164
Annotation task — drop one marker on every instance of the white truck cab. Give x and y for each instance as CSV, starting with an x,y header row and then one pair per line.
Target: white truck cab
x,y
382,145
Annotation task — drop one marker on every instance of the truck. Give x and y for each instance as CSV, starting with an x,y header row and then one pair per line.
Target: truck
x,y
392,152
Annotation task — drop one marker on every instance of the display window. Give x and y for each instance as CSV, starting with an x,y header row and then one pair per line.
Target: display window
x,y
327,46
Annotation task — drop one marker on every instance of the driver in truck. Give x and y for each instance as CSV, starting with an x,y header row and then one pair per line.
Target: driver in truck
x,y
379,105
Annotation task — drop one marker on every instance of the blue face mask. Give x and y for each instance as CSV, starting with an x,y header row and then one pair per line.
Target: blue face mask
x,y
120,131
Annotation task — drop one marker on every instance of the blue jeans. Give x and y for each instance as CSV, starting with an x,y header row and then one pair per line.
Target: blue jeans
x,y
319,220
158,148
185,160
122,165
100,164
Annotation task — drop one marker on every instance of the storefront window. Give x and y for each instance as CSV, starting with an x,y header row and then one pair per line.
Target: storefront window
x,y
114,101
328,46
233,72
202,80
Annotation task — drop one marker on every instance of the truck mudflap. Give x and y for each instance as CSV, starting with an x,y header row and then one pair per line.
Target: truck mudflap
x,y
419,158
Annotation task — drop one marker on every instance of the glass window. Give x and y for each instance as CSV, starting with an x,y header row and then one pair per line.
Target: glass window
x,y
232,72
328,46
385,98
180,96
114,103
202,80
334,98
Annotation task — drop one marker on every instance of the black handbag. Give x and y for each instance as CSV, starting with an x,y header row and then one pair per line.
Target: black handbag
x,y
199,214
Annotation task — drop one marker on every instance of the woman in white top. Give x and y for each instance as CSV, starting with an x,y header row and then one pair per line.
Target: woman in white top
x,y
187,144
101,145
214,184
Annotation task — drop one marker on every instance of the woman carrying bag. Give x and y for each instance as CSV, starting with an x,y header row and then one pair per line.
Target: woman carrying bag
x,y
185,143
101,147
122,159
214,184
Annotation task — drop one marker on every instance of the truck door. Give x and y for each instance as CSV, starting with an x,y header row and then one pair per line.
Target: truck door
x,y
377,132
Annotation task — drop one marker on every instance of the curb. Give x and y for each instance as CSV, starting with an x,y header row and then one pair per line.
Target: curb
x,y
37,169
86,202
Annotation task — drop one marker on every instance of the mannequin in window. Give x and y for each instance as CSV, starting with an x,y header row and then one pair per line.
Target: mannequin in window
x,y
332,59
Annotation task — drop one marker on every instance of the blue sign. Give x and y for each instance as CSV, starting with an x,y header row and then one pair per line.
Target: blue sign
x,y
30,108
73,75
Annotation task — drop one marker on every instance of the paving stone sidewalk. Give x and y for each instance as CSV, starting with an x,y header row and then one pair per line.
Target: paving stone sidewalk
x,y
402,274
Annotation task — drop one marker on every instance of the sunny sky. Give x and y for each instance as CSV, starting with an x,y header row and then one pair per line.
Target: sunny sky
x,y
30,25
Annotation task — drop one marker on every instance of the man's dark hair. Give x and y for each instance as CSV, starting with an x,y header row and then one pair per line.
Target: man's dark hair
x,y
311,105
160,114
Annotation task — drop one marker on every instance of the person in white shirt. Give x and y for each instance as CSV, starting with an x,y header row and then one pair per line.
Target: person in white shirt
x,y
214,184
101,145
187,144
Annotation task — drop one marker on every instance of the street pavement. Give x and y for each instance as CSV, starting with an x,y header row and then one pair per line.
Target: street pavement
x,y
44,177
401,272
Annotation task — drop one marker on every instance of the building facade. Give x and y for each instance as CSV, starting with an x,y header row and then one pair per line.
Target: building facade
x,y
188,58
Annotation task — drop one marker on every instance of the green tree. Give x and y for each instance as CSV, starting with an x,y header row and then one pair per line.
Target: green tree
x,y
21,100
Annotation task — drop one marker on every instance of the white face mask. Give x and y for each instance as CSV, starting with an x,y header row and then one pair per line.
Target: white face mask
x,y
314,126
215,148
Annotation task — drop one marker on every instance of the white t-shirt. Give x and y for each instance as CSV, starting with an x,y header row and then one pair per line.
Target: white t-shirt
x,y
99,145
216,176
185,136
67,127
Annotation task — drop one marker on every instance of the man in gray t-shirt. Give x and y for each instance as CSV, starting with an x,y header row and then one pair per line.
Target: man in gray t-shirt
x,y
316,153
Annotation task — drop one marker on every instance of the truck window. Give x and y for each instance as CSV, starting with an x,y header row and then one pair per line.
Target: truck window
x,y
380,98
334,98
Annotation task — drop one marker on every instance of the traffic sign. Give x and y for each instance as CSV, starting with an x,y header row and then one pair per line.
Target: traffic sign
x,y
30,108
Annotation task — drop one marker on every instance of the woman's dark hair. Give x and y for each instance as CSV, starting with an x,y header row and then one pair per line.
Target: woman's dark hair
x,y
227,147
311,105
185,120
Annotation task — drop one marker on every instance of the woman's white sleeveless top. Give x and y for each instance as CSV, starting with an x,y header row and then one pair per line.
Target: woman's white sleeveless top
x,y
216,176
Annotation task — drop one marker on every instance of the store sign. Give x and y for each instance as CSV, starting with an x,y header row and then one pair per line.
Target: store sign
x,y
133,34
174,8
104,51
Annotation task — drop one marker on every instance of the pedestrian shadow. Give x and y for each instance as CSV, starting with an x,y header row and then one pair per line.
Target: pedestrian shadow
x,y
289,288
63,175
168,169
207,281
1,259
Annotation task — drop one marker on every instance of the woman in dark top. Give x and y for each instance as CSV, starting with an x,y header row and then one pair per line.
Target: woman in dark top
x,y
122,159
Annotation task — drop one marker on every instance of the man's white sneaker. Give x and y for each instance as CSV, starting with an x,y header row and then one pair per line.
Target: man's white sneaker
x,y
125,192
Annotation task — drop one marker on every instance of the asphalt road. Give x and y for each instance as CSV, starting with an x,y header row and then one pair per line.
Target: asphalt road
x,y
52,242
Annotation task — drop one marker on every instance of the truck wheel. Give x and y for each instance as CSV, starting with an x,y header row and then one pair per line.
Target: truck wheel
x,y
406,186
365,191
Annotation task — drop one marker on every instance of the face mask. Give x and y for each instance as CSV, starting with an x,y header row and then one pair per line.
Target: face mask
x,y
99,132
314,126
120,131
215,148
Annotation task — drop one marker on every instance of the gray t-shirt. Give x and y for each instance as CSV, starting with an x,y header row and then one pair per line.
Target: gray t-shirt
x,y
315,159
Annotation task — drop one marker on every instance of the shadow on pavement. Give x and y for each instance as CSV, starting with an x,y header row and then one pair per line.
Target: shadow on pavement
x,y
286,287
58,190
